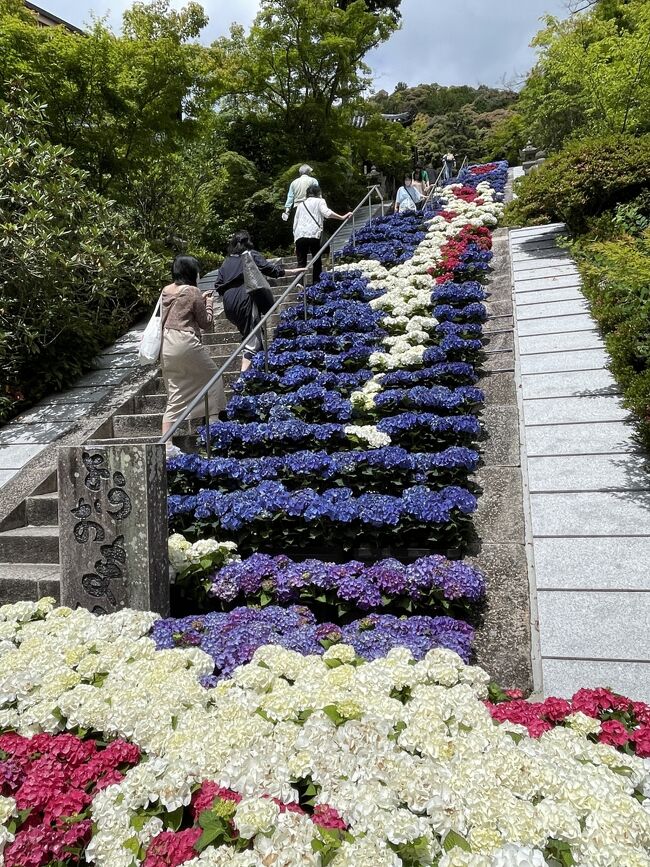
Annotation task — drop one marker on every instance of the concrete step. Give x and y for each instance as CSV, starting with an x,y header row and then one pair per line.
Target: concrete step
x,y
42,509
30,544
186,442
157,386
144,424
28,581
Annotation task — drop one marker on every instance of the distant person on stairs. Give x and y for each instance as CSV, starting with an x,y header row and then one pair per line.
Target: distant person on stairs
x,y
408,197
298,189
308,228
421,180
186,363
449,165
245,310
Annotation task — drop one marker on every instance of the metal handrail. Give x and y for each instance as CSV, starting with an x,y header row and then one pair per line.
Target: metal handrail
x,y
203,393
437,184
434,187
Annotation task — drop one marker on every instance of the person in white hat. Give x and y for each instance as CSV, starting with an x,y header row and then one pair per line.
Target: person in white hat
x,y
298,189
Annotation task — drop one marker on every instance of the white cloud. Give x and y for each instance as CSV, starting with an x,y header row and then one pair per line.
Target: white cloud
x,y
446,41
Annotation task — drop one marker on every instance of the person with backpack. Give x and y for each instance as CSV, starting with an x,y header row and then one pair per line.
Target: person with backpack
x,y
308,228
408,197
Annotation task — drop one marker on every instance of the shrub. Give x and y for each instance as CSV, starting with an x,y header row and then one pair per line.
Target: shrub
x,y
73,272
585,179
616,279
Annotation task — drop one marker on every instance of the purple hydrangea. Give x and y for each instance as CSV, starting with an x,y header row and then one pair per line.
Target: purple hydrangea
x,y
231,639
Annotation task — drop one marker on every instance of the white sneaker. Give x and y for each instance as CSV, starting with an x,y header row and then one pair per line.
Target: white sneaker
x,y
173,451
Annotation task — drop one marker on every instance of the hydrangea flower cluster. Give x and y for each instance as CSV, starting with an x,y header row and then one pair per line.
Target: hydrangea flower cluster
x,y
399,757
304,518
431,583
231,639
598,713
388,469
47,783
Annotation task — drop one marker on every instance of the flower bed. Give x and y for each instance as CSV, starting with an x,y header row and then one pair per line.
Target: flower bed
x,y
599,713
270,515
232,638
429,584
47,785
360,430
305,760
388,469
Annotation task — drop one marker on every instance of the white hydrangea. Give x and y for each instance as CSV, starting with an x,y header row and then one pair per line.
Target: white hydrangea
x,y
183,554
256,816
369,435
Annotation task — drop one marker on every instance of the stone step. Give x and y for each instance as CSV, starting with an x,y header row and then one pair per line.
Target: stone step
x,y
30,544
186,442
157,386
28,581
143,424
42,509
150,403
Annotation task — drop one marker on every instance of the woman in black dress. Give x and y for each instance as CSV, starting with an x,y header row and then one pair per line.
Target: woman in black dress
x,y
245,310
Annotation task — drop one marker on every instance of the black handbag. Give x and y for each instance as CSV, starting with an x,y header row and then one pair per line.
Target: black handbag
x,y
254,280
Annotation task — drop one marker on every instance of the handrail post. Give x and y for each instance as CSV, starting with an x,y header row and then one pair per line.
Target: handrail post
x,y
354,243
207,426
265,344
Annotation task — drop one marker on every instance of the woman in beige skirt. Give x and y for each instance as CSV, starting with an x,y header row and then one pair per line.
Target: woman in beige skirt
x,y
186,364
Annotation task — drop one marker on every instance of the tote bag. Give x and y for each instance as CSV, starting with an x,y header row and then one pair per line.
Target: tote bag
x,y
254,280
151,340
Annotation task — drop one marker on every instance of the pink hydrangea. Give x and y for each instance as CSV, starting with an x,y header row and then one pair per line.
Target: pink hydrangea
x,y
327,817
172,848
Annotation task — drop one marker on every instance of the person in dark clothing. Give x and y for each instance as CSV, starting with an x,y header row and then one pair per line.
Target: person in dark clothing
x,y
245,310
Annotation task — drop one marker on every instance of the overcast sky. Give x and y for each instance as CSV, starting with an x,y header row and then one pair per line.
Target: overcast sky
x,y
446,41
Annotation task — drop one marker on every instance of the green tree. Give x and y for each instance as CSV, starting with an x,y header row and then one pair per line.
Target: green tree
x,y
131,107
73,272
301,59
592,76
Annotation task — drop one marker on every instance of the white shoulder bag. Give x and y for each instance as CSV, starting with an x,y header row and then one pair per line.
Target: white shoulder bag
x,y
151,340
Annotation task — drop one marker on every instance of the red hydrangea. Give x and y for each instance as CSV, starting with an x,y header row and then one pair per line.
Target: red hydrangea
x,y
614,733
54,777
327,817
624,724
172,848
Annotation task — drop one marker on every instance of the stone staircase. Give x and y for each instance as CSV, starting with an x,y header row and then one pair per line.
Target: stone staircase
x,y
29,536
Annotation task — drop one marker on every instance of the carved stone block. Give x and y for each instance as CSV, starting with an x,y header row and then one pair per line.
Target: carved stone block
x,y
113,528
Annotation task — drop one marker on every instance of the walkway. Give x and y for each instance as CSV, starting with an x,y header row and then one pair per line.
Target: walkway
x,y
588,499
31,432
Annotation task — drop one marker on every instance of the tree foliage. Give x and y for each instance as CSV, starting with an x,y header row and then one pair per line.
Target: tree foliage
x,y
73,271
301,59
592,76
459,118
587,178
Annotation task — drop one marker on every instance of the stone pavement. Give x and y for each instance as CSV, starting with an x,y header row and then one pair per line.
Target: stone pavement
x,y
586,480
29,434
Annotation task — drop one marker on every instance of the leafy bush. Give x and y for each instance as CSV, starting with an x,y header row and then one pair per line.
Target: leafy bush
x,y
585,179
633,218
616,279
73,272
